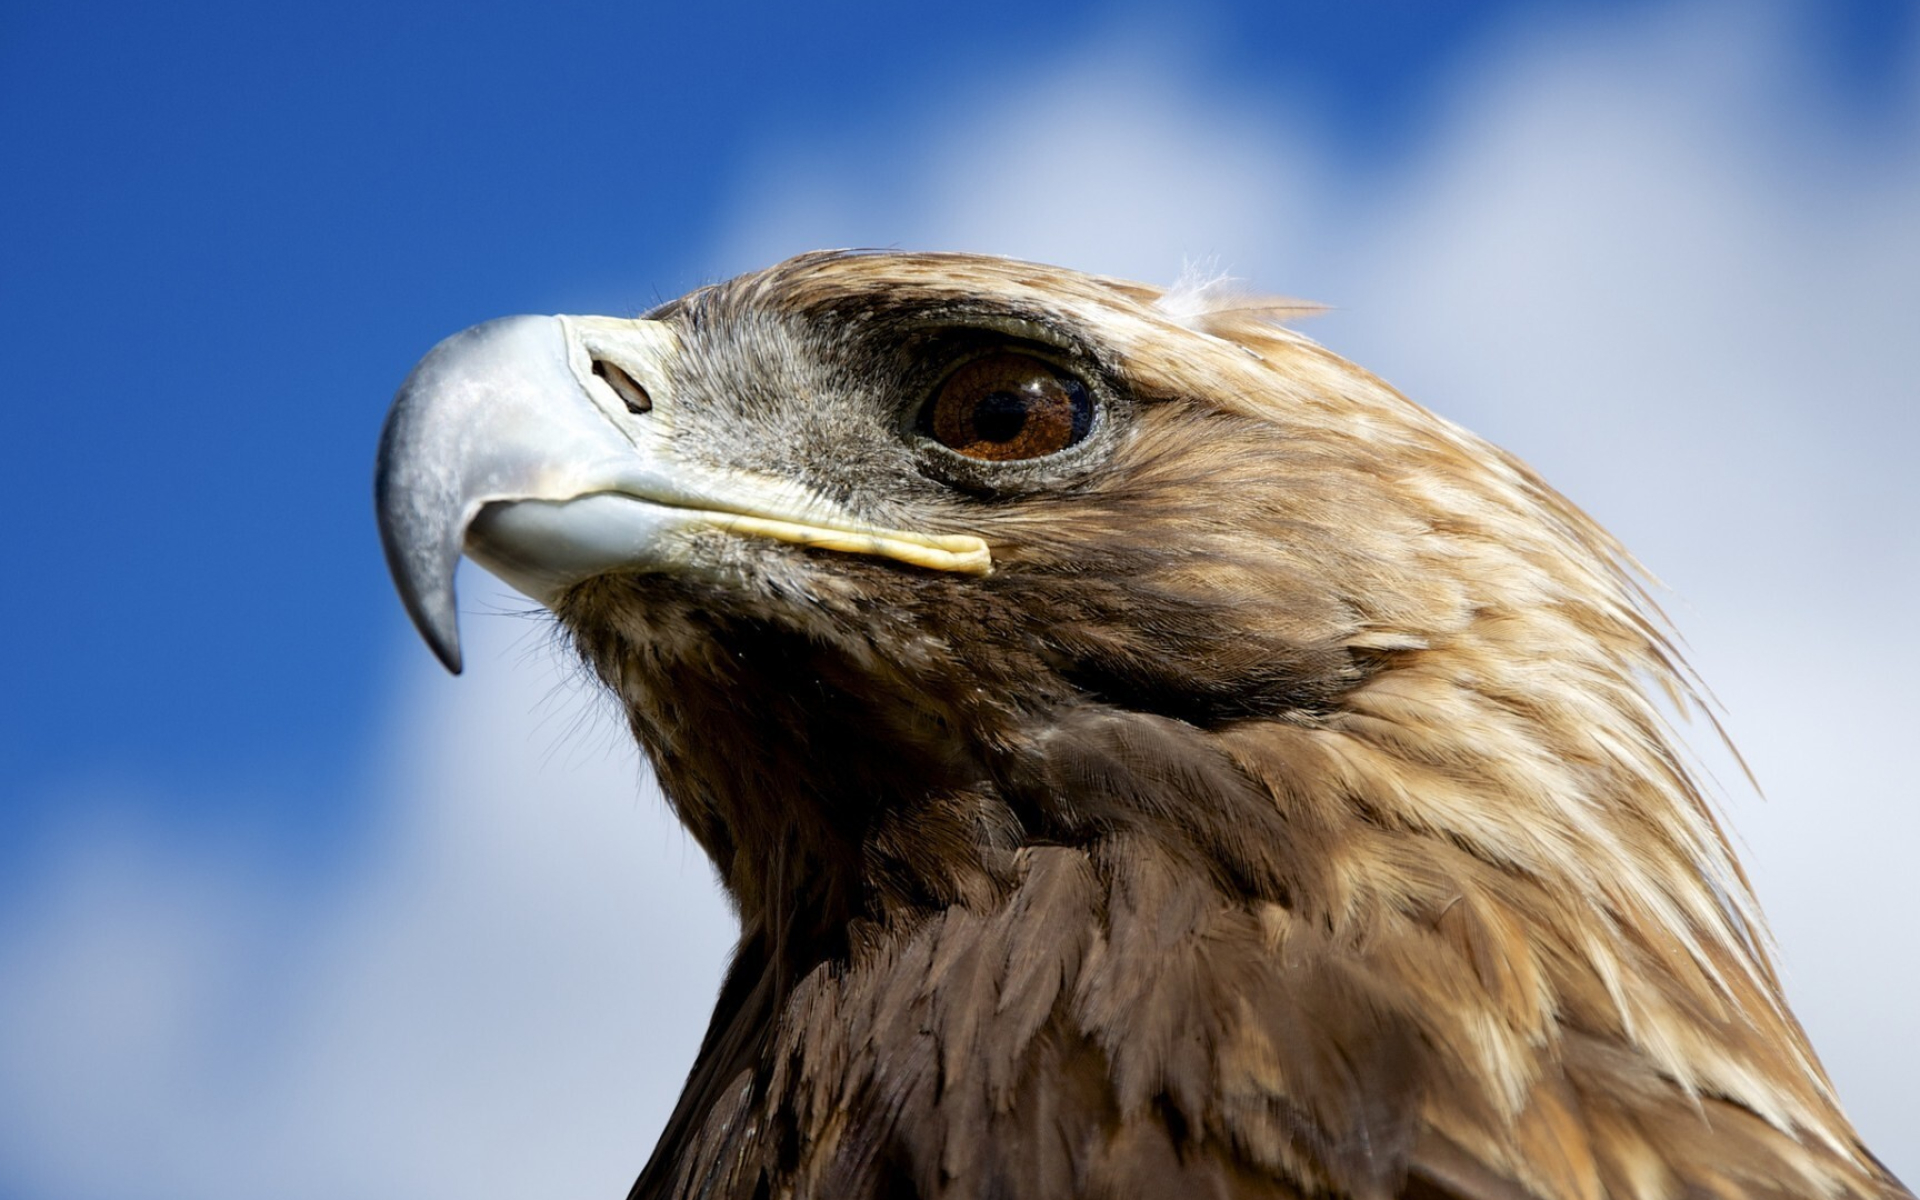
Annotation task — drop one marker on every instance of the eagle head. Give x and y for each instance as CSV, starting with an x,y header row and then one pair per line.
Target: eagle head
x,y
1149,756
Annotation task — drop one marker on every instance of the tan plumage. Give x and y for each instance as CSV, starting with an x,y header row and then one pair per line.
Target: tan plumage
x,y
1285,813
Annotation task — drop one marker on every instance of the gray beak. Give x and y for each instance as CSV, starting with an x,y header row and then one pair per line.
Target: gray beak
x,y
542,447
504,411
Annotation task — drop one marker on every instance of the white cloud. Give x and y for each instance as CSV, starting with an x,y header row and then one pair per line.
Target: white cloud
x,y
500,1001
1114,161
1634,253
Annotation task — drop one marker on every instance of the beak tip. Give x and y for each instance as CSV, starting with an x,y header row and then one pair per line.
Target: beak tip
x,y
448,653
443,641
429,600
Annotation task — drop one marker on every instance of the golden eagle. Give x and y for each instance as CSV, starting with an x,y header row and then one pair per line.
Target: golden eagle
x,y
1149,756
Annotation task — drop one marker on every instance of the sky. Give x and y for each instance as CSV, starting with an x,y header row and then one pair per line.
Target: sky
x,y
283,910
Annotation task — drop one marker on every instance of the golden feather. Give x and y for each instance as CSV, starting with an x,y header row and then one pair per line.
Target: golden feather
x,y
1287,811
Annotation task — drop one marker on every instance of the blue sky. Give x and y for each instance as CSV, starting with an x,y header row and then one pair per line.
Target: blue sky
x,y
237,225
1666,251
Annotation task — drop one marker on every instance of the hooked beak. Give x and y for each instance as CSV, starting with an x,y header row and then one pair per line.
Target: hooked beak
x,y
542,447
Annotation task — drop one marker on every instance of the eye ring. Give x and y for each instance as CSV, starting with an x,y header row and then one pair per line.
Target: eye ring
x,y
1007,406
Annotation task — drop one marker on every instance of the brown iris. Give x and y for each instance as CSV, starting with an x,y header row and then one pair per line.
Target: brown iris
x,y
1005,407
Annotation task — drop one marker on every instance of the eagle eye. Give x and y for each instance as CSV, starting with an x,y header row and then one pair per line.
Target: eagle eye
x,y
1007,407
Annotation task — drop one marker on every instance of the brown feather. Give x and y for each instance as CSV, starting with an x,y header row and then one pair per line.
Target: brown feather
x,y
1286,814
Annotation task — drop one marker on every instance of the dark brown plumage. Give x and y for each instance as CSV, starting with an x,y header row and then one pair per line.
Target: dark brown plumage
x,y
1281,815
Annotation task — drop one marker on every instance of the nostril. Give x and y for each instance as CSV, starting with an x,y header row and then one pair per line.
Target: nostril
x,y
625,385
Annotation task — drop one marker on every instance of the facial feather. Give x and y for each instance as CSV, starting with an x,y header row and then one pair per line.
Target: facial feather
x,y
1285,814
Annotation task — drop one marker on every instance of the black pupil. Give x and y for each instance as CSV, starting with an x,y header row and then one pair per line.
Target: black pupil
x,y
1000,416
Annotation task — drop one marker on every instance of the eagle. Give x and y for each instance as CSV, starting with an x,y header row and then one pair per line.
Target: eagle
x,y
1148,756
